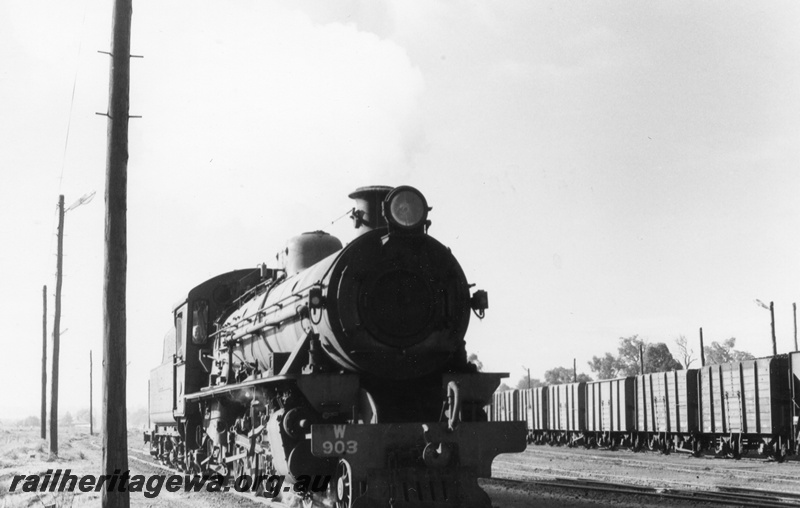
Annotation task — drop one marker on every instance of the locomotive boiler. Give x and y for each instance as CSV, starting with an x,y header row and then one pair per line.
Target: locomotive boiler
x,y
342,361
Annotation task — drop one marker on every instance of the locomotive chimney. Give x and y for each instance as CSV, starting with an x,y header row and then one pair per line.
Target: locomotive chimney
x,y
367,214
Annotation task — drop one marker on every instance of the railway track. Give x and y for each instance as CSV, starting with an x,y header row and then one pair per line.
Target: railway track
x,y
682,480
691,465
519,476
726,497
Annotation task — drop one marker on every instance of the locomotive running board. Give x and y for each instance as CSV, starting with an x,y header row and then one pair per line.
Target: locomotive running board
x,y
217,390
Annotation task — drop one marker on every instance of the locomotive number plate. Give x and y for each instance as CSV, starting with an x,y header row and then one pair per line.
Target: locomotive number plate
x,y
333,441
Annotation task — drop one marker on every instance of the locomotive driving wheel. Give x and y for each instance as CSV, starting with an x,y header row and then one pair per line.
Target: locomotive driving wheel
x,y
262,467
214,462
343,485
241,466
193,466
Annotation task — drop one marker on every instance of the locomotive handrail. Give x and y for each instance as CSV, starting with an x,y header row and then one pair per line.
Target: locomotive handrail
x,y
261,285
288,313
275,307
201,355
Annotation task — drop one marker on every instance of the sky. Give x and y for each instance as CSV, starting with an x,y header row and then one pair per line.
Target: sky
x,y
602,169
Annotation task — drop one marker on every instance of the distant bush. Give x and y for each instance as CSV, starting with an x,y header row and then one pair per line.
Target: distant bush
x,y
137,418
31,421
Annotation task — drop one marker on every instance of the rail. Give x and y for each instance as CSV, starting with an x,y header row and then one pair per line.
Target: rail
x,y
725,496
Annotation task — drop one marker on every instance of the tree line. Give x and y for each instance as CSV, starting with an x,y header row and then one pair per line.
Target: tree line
x,y
627,361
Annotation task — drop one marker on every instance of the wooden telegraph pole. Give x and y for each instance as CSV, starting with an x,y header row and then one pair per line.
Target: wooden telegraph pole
x,y
56,333
115,439
641,357
44,363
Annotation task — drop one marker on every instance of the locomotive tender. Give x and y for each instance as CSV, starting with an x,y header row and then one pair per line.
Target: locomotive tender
x,y
728,408
346,361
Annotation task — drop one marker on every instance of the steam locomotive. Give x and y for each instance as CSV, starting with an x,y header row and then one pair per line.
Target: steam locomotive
x,y
345,361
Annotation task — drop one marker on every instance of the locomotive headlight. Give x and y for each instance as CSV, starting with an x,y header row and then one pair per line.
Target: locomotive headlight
x,y
405,207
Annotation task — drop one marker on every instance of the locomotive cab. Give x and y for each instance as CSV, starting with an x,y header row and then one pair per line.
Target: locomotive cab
x,y
186,357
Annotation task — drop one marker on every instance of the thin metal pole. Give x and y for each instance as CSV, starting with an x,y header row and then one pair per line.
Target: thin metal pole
x,y
115,437
794,311
91,414
56,334
772,322
574,370
702,350
44,363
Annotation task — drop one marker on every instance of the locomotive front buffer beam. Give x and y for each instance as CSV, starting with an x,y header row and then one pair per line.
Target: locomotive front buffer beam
x,y
415,464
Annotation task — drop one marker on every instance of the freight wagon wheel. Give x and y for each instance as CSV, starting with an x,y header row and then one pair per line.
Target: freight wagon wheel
x,y
695,447
343,485
724,447
736,449
780,453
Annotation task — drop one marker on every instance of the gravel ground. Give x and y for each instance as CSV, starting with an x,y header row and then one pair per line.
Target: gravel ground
x,y
674,472
22,452
649,469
